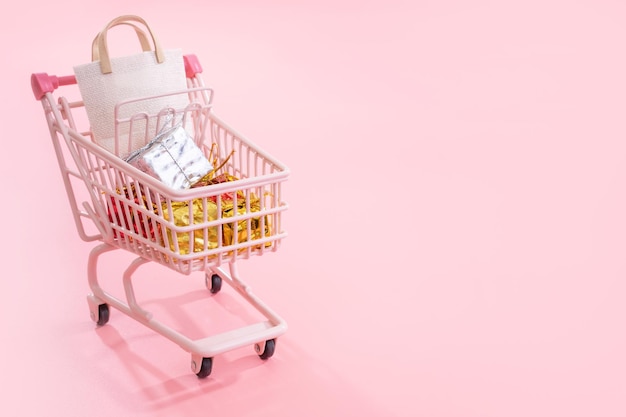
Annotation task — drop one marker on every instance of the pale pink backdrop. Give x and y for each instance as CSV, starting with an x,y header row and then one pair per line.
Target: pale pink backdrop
x,y
456,221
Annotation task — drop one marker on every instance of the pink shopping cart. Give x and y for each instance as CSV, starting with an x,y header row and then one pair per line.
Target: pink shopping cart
x,y
205,229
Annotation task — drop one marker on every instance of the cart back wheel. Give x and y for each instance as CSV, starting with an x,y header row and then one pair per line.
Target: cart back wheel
x,y
205,368
213,283
268,351
103,314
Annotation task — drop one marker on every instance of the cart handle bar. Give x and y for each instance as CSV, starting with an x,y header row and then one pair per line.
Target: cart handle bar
x,y
43,83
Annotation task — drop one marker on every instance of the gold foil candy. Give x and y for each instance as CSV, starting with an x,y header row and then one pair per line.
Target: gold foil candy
x,y
198,214
200,211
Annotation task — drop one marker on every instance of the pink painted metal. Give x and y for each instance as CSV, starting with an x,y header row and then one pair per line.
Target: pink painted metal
x,y
93,178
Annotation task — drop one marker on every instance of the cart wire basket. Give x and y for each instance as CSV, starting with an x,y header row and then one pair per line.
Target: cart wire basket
x,y
234,215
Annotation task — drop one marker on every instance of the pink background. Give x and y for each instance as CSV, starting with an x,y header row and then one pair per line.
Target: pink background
x,y
457,228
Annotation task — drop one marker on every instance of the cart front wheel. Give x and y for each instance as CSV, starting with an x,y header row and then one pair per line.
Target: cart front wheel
x,y
205,368
103,314
213,283
267,351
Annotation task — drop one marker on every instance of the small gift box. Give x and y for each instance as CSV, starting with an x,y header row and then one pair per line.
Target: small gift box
x,y
173,158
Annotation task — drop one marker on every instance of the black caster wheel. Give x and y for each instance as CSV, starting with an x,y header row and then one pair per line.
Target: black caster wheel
x,y
103,314
213,283
205,368
268,351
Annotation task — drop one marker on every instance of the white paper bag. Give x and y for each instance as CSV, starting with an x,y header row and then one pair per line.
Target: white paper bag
x,y
107,81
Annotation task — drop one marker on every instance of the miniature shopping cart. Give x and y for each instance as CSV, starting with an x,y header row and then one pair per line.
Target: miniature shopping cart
x,y
127,209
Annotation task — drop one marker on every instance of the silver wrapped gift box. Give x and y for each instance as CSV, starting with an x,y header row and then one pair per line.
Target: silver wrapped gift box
x,y
173,158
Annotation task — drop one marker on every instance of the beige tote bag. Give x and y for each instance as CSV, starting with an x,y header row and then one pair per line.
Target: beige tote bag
x,y
107,81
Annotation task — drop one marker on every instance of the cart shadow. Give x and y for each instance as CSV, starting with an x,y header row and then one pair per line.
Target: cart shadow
x,y
243,384
156,376
134,362
141,370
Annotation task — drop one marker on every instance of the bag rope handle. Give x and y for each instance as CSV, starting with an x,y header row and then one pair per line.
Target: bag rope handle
x,y
141,35
103,53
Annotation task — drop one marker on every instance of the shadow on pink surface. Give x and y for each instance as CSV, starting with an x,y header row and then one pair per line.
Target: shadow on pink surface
x,y
140,372
293,382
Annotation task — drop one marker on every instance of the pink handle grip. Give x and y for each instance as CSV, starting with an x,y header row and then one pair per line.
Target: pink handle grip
x,y
192,65
43,83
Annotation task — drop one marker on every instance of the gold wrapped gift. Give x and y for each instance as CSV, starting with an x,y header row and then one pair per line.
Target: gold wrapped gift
x,y
199,211
181,217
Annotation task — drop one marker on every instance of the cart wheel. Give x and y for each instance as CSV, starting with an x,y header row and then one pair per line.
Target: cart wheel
x,y
213,283
268,352
103,314
205,368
